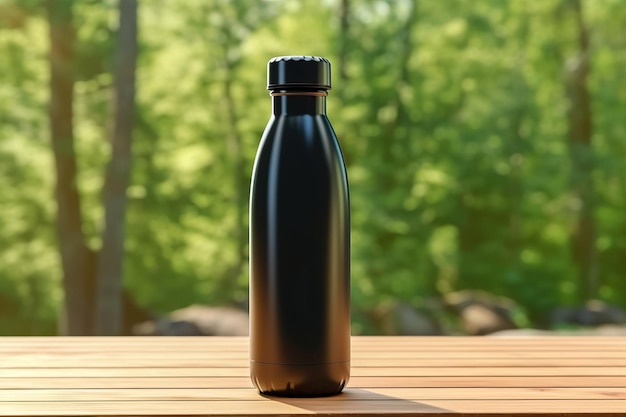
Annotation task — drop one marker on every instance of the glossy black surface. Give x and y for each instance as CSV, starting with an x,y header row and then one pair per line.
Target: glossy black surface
x,y
299,254
300,380
298,72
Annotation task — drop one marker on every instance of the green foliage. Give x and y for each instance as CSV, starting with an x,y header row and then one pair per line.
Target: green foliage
x,y
29,269
451,115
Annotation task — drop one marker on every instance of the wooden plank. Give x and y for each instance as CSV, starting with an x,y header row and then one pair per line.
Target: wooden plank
x,y
33,383
104,361
495,371
481,340
355,371
355,382
237,349
598,362
228,353
126,372
391,375
248,394
287,407
358,355
361,342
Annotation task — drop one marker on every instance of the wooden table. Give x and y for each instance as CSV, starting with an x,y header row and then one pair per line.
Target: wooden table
x,y
390,375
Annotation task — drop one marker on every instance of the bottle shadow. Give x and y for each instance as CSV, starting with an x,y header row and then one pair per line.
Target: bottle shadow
x,y
359,401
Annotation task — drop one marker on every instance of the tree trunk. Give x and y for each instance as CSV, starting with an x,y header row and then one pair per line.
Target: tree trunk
x,y
77,318
235,149
515,148
344,38
583,237
110,260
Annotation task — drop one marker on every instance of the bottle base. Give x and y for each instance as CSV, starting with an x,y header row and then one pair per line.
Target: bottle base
x,y
290,380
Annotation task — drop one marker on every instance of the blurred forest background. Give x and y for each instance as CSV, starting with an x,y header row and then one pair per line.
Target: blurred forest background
x,y
485,142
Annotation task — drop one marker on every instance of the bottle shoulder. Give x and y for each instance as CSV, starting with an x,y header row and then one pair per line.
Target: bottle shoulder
x,y
299,141
299,126
297,118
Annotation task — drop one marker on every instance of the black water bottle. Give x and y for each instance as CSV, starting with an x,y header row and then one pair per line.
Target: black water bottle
x,y
299,240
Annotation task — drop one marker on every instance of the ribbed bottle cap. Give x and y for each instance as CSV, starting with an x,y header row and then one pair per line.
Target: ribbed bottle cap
x,y
298,72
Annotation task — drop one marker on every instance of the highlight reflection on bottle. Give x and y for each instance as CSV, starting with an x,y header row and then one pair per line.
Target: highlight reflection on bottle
x,y
299,240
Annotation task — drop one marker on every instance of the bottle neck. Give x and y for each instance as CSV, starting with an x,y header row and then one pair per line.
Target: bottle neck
x,y
298,102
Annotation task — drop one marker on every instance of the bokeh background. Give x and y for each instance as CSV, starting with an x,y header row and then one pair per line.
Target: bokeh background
x,y
485,143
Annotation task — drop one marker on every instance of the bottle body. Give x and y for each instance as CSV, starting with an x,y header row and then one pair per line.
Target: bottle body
x,y
299,254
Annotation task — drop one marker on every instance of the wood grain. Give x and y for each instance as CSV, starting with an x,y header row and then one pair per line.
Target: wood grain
x,y
525,408
353,394
205,376
355,382
184,361
405,371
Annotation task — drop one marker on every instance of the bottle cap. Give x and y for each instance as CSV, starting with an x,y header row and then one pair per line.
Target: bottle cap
x,y
298,72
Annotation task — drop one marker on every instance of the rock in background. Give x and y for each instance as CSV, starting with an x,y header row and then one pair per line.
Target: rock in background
x,y
197,320
481,313
592,313
402,319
